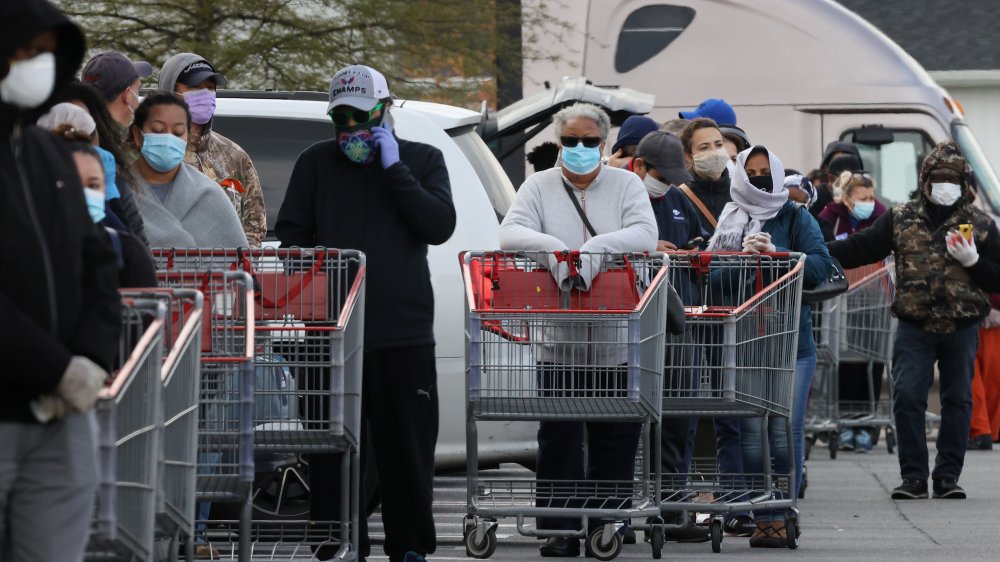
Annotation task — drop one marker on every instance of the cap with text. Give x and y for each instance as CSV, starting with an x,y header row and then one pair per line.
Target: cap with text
x,y
357,86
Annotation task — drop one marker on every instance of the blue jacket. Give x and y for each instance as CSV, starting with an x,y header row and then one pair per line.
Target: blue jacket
x,y
678,222
809,241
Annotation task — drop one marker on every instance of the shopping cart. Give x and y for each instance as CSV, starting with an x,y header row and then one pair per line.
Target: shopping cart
x,y
536,351
181,377
308,342
822,411
867,331
128,440
736,358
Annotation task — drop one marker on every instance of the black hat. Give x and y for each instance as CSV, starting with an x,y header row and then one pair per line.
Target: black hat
x,y
199,71
664,152
112,72
848,163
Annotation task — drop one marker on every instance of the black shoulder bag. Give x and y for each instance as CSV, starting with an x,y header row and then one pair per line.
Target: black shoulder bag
x,y
834,284
675,307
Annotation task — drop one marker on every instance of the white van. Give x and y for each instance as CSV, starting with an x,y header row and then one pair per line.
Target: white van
x,y
800,74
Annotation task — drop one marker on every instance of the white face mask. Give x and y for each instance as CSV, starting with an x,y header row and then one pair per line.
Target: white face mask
x,y
945,194
655,187
29,82
711,164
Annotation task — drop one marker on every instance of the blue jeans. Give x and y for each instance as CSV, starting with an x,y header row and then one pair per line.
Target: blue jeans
x,y
805,367
913,356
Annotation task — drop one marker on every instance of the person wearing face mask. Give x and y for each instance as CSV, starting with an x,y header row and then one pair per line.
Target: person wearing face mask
x,y
942,281
209,152
762,219
836,150
368,190
707,158
544,218
135,264
118,79
58,300
854,206
180,206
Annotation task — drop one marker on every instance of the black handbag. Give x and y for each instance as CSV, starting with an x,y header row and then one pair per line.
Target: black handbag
x,y
675,306
834,284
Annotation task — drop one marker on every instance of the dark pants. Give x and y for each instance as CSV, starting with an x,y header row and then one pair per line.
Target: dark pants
x,y
400,410
611,450
913,357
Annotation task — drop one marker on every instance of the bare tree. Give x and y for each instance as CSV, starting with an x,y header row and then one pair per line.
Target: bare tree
x,y
449,50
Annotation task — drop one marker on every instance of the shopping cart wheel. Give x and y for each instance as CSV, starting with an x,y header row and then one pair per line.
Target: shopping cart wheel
x,y
603,547
716,532
792,531
656,540
834,443
480,549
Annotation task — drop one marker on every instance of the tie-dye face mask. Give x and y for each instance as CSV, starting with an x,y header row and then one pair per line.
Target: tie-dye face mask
x,y
357,144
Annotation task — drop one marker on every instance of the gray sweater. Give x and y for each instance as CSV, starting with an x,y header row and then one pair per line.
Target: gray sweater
x,y
543,219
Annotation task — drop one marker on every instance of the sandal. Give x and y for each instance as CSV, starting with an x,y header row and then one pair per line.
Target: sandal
x,y
769,535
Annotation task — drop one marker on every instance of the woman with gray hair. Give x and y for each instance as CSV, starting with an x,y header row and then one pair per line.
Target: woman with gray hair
x,y
545,218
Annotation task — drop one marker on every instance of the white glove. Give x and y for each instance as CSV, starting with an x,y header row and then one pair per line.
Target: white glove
x,y
48,407
759,242
962,250
80,383
993,320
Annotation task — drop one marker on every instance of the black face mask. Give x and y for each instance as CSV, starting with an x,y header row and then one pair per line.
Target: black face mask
x,y
763,183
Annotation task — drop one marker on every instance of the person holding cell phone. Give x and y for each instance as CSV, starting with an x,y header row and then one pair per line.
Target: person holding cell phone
x,y
942,280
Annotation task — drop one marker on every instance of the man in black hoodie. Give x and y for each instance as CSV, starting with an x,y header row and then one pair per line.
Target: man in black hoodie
x,y
367,190
59,304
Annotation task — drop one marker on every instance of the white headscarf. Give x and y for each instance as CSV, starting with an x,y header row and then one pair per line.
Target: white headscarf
x,y
750,206
68,114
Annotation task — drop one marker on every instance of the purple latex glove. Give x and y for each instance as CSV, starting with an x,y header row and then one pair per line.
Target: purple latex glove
x,y
387,146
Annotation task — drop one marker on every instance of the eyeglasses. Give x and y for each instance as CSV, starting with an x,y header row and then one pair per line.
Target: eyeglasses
x,y
589,142
343,116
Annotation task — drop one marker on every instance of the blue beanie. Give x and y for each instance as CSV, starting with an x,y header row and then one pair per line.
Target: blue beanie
x,y
633,130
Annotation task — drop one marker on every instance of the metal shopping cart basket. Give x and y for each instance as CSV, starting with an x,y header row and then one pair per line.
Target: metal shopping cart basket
x,y
736,358
822,412
309,336
538,351
181,378
867,331
128,440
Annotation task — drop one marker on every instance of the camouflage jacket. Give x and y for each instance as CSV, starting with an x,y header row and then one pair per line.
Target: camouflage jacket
x,y
220,158
932,289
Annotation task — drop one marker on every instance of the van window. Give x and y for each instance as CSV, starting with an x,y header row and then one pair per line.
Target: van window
x,y
491,173
989,186
647,31
895,165
274,144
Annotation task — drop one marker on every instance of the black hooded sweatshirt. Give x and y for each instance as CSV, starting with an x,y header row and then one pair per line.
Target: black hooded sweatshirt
x,y
58,280
824,195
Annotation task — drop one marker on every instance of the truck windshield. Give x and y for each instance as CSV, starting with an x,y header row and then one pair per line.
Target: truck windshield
x,y
895,165
989,185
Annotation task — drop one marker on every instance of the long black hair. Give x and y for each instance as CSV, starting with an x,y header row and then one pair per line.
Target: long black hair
x,y
107,131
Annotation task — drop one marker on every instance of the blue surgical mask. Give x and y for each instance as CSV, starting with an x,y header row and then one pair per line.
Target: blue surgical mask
x,y
581,160
163,151
110,168
863,210
95,203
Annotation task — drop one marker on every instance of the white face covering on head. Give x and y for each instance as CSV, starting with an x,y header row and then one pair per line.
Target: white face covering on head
x,y
29,82
655,187
945,194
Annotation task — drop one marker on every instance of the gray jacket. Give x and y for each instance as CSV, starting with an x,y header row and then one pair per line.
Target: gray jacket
x,y
543,219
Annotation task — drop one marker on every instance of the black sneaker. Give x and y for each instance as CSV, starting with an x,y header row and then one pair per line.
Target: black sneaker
x,y
981,443
910,489
739,525
948,489
560,547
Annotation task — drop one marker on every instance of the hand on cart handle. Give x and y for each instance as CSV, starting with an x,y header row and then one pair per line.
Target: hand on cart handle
x,y
81,383
48,407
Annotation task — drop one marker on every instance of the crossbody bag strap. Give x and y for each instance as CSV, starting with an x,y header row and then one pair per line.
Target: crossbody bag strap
x,y
579,209
701,206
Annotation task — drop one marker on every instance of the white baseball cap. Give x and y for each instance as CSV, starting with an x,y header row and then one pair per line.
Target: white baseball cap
x,y
357,86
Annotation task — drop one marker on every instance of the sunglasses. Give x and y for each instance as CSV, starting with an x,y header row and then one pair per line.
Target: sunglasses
x,y
343,116
589,142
